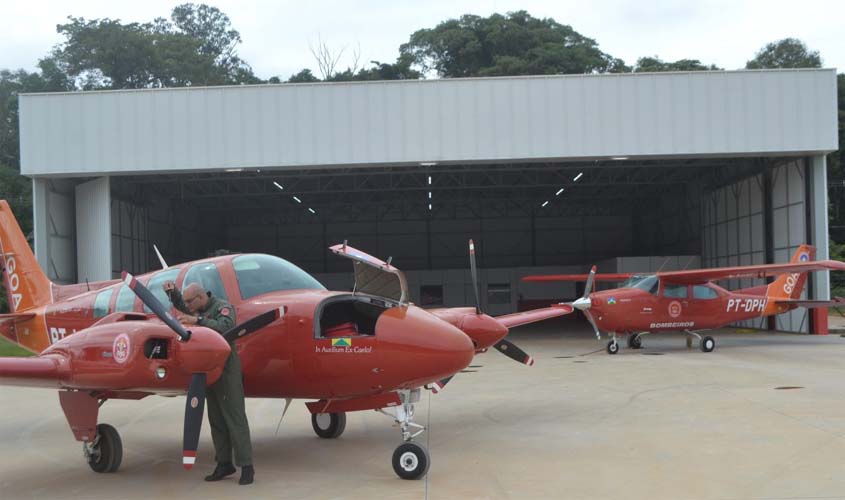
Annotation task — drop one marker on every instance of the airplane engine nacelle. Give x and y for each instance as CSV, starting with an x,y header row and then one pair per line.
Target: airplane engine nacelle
x,y
137,356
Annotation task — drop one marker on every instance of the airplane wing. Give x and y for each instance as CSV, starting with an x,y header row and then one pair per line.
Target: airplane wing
x,y
32,372
700,276
525,317
811,304
579,277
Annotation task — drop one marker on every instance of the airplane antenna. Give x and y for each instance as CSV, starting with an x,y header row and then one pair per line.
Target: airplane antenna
x,y
87,285
665,260
287,404
160,258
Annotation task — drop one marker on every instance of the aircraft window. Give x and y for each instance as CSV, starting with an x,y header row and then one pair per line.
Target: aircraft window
x,y
258,274
647,283
675,291
155,285
704,292
125,299
208,276
101,303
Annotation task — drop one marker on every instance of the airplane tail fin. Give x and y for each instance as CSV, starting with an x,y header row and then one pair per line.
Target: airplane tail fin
x,y
790,286
26,284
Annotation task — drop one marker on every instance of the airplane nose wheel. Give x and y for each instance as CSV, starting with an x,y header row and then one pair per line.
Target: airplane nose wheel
x,y
328,425
410,461
612,347
105,453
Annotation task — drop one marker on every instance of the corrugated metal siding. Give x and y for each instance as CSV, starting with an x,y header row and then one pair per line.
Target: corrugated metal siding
x,y
406,122
93,230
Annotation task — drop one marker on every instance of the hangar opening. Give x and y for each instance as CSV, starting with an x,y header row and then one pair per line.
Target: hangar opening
x,y
547,174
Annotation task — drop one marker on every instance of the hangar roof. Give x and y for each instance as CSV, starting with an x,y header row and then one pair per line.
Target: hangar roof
x,y
395,123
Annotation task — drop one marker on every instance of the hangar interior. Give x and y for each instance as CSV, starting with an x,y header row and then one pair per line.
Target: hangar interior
x,y
548,174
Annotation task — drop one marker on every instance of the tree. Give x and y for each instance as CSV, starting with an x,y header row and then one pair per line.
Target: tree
x,y
304,76
514,44
650,64
786,53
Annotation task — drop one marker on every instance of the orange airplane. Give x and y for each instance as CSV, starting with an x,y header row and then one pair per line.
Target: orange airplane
x,y
369,349
688,301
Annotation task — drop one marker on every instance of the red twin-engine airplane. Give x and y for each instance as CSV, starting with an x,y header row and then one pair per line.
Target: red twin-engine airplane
x,y
687,300
369,349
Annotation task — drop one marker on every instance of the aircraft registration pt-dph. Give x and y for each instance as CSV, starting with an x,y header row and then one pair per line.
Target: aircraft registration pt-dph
x,y
366,350
689,301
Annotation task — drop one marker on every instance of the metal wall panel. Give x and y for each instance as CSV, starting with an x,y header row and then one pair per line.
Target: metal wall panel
x,y
407,122
93,230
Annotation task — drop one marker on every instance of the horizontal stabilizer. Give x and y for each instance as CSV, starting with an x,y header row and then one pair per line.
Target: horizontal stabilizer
x,y
811,304
16,317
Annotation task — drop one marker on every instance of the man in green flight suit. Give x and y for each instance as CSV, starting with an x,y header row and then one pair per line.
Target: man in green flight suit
x,y
226,409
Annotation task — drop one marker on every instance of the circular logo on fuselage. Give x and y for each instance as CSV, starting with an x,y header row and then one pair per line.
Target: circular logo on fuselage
x,y
674,308
120,348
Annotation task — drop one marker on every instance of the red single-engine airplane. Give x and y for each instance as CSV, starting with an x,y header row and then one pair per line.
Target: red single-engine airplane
x,y
369,349
688,300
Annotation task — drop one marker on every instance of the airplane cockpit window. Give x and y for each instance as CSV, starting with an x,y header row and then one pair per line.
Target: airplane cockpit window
x,y
675,291
704,292
647,283
207,275
125,299
101,303
156,285
258,274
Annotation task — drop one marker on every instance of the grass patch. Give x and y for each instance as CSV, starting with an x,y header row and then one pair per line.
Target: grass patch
x,y
8,348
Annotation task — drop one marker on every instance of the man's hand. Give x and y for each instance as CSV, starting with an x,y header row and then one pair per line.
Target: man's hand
x,y
169,285
187,319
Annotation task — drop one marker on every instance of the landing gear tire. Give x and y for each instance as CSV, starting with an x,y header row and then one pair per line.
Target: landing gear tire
x,y
328,425
612,347
106,452
410,461
635,341
707,344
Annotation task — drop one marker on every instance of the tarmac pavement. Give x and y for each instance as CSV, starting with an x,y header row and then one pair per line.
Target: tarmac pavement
x,y
761,417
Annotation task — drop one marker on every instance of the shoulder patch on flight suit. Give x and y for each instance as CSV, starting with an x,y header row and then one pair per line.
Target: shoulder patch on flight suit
x,y
225,311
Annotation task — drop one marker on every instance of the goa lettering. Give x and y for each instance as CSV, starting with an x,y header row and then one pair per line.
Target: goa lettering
x,y
14,281
791,280
746,305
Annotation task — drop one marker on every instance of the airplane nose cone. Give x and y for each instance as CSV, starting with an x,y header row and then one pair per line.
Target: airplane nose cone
x,y
582,303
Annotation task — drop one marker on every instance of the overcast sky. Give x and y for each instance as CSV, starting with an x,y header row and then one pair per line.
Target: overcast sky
x,y
276,34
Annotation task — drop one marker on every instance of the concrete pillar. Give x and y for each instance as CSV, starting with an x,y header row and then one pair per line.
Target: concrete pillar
x,y
819,231
93,230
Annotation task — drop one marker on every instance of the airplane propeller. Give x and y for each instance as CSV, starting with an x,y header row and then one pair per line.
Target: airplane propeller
x,y
583,304
504,346
195,399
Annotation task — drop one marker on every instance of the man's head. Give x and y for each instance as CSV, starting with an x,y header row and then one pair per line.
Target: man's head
x,y
195,297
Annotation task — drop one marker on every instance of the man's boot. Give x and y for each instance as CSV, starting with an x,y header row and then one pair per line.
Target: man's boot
x,y
221,471
247,475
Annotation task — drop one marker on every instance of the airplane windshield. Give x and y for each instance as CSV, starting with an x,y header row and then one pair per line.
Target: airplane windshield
x,y
258,274
647,283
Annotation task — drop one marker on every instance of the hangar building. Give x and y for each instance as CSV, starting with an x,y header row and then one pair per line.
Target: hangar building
x,y
547,173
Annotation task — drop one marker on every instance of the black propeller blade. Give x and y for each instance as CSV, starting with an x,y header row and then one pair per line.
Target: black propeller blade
x,y
474,273
155,305
510,350
194,406
253,324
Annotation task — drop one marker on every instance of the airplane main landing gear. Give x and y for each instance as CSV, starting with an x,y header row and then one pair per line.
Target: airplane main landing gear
x,y
328,425
105,452
635,341
706,344
410,460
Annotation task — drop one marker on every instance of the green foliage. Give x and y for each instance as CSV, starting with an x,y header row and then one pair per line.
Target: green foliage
x,y
786,53
197,48
304,76
514,44
8,348
647,64
837,280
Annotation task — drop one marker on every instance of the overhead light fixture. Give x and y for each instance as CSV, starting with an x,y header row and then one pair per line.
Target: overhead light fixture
x,y
429,195
233,170
577,177
297,199
278,185
429,207
429,180
544,204
428,163
618,157
311,210
559,191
